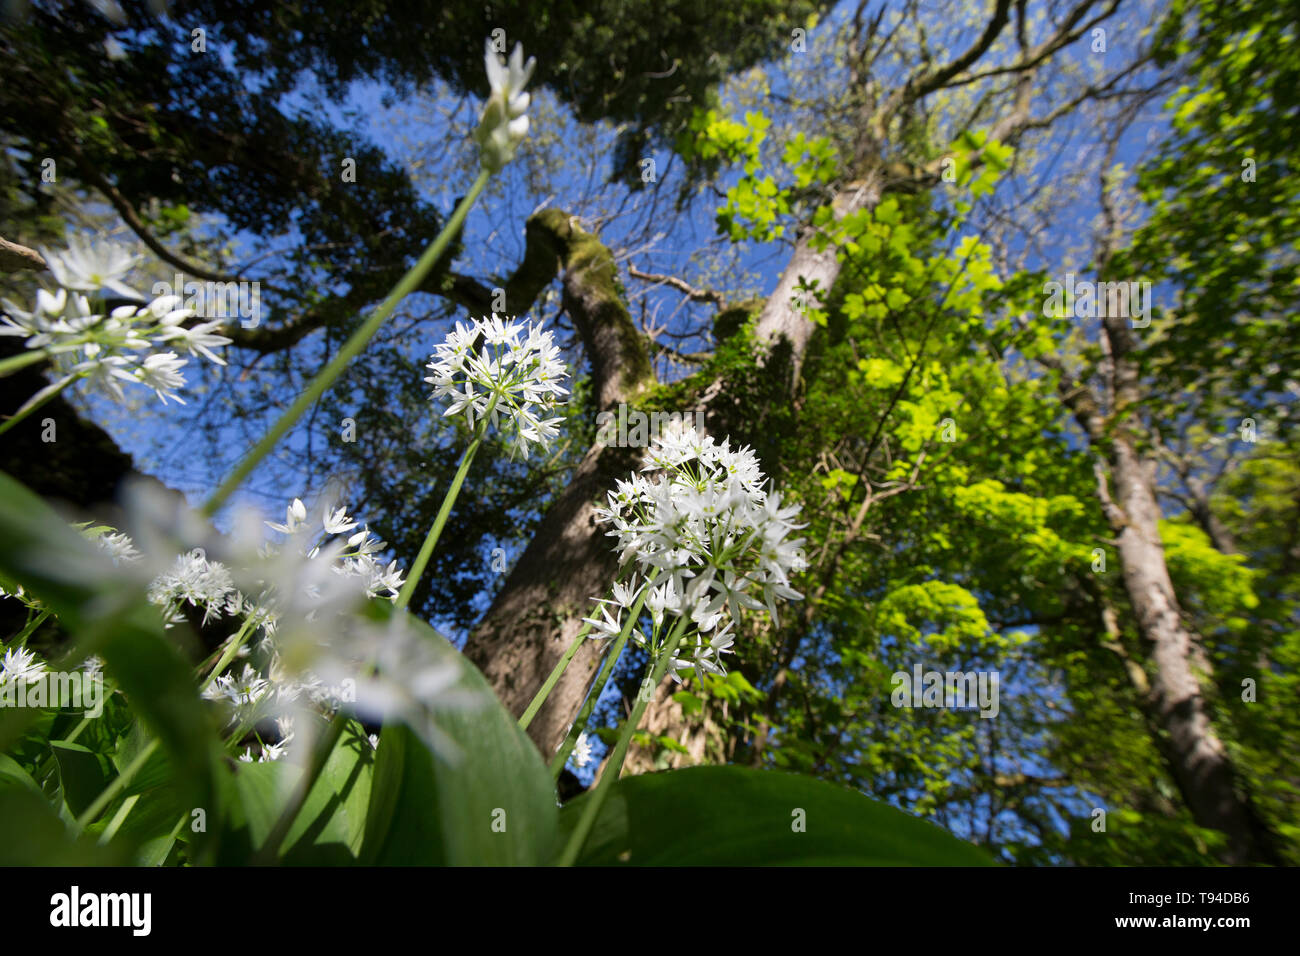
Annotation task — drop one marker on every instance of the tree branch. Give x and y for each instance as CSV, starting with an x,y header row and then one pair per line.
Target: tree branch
x,y
16,258
681,285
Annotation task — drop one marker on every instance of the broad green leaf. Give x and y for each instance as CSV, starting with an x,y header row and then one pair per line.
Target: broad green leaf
x,y
330,826
148,829
493,804
83,773
31,834
13,775
737,816
156,770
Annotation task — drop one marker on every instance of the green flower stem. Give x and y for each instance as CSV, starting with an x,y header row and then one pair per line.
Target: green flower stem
x,y
92,812
119,818
593,697
320,755
580,722
27,409
15,362
231,650
615,763
76,731
350,350
30,628
540,697
435,531
241,731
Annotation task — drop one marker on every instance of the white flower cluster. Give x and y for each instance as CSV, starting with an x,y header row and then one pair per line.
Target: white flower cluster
x,y
698,520
503,125
512,380
20,666
89,266
198,582
321,649
355,558
271,752
581,751
117,546
126,345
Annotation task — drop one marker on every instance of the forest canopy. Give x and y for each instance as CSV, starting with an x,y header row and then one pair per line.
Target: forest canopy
x,y
882,405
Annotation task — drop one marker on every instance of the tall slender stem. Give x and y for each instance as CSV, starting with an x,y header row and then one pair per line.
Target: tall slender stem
x,y
435,530
30,628
15,362
118,784
351,349
229,654
545,691
30,407
119,818
615,763
593,697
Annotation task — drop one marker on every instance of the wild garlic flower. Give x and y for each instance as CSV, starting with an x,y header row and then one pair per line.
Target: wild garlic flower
x,y
140,345
20,666
117,546
91,265
699,519
20,594
582,750
503,125
355,558
323,648
244,690
198,582
396,673
512,378
271,752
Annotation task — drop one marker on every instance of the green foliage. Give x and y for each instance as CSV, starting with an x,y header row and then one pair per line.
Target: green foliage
x,y
1224,211
690,818
489,801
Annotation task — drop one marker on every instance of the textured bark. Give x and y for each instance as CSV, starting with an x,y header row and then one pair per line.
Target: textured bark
x,y
54,451
783,315
702,738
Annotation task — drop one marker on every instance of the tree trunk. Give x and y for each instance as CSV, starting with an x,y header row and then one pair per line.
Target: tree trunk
x,y
1198,761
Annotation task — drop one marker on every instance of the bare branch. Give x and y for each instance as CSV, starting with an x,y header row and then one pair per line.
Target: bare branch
x,y
16,258
681,285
